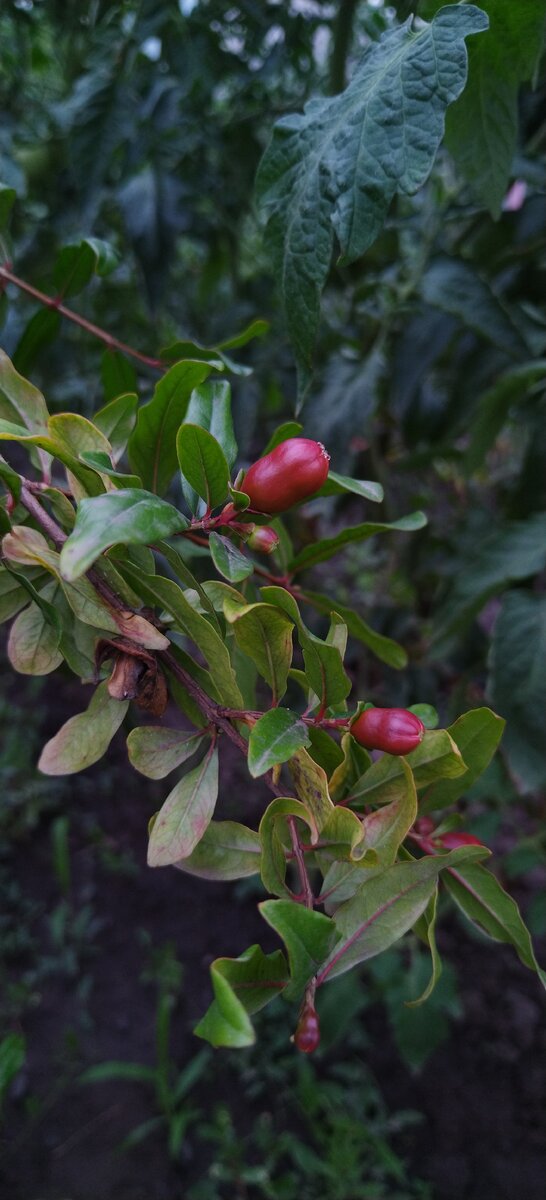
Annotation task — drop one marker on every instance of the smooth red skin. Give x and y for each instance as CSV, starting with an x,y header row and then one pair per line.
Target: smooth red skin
x,y
394,730
307,1035
292,472
263,539
453,840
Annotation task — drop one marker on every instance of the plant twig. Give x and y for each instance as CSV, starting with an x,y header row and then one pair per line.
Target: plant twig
x,y
54,302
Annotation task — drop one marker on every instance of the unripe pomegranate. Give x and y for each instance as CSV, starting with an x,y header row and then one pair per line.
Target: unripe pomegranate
x,y
263,539
307,1035
394,730
456,838
292,471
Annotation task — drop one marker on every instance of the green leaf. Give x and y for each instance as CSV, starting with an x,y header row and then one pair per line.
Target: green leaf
x,y
274,739
119,380
386,906
311,786
354,763
427,714
384,648
187,811
514,552
494,407
241,986
341,837
477,735
337,485
228,560
114,1070
155,751
307,935
517,683
20,402
274,835
130,516
324,670
265,634
33,643
226,851
338,167
210,407
385,829
453,286
482,899
203,464
327,547
8,196
481,128
436,757
13,596
152,444
102,463
78,262
282,433
117,421
425,929
156,590
10,478
42,329
83,739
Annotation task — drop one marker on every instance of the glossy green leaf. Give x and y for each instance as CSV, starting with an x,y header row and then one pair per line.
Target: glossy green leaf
x,y
477,735
425,928
78,262
34,640
10,478
274,837
41,331
307,935
203,464
13,596
20,402
130,515
386,906
354,763
241,986
265,634
283,432
226,851
337,485
384,648
482,899
152,444
119,381
181,822
337,168
83,739
437,757
311,786
385,829
103,463
324,670
156,751
228,560
274,739
210,407
325,548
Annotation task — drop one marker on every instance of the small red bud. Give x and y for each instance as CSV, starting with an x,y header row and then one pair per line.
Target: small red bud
x,y
424,826
456,838
394,730
293,471
307,1035
263,539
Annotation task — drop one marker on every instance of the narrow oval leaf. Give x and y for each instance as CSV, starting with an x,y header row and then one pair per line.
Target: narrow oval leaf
x,y
437,757
307,935
337,485
152,444
226,851
84,738
184,817
155,751
203,464
327,547
265,634
228,560
482,899
33,643
241,986
274,739
386,906
130,516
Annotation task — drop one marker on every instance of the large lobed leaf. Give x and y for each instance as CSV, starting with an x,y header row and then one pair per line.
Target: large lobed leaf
x,y
337,167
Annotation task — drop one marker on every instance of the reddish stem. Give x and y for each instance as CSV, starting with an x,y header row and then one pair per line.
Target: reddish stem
x,y
54,302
